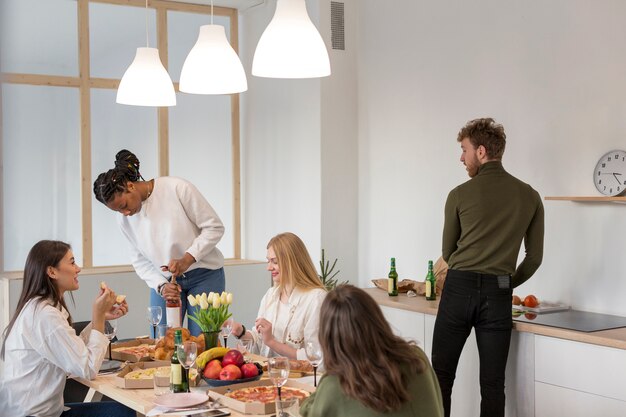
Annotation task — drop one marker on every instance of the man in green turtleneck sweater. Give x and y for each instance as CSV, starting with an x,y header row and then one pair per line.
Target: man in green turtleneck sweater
x,y
486,220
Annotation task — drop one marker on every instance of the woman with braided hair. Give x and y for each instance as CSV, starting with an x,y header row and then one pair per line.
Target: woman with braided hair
x,y
171,228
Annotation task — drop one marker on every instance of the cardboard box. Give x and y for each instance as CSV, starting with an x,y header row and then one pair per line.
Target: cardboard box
x,y
255,407
128,357
164,381
122,382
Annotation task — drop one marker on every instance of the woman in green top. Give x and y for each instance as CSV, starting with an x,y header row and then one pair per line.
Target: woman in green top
x,y
369,370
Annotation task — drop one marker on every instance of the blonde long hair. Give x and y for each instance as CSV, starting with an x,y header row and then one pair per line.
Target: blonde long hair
x,y
294,262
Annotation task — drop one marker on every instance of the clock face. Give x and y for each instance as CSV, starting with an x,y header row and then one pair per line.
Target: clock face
x,y
610,173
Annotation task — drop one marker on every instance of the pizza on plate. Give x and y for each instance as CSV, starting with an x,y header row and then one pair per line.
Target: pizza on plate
x,y
140,351
146,373
266,394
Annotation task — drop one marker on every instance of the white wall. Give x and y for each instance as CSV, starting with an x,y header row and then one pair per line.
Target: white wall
x,y
552,72
280,149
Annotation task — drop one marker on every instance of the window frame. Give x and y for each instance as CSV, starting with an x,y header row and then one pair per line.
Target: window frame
x,y
85,83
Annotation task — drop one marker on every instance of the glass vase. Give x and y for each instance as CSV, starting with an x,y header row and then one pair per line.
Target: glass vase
x,y
211,339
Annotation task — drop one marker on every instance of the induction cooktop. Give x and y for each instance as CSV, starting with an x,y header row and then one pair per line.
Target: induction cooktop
x,y
581,321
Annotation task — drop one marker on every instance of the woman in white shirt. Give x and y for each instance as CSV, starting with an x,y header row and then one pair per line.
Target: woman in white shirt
x,y
40,347
172,230
289,311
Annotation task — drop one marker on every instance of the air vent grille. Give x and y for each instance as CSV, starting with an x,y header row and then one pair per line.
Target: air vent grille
x,y
337,25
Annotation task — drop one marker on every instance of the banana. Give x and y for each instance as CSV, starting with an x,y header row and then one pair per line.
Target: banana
x,y
208,355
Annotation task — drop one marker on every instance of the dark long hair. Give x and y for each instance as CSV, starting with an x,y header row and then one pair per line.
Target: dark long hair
x,y
116,179
373,365
36,281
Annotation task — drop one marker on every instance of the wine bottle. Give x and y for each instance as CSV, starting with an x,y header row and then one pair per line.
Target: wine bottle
x,y
172,309
392,284
178,378
431,287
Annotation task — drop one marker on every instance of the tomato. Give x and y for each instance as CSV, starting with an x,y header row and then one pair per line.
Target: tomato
x,y
516,300
530,316
531,301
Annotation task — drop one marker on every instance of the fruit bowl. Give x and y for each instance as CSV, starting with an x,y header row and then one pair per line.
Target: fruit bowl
x,y
221,382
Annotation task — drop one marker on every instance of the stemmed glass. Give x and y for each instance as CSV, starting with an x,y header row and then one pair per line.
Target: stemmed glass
x,y
154,314
227,329
314,355
187,353
110,330
278,369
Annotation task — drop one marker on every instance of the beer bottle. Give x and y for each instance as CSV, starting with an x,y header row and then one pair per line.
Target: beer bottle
x,y
178,378
431,287
392,283
172,310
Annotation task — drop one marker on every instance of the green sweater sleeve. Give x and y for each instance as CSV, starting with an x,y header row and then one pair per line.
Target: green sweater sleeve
x,y
451,226
533,243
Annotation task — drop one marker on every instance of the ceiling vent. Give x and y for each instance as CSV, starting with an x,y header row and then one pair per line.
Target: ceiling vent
x,y
337,25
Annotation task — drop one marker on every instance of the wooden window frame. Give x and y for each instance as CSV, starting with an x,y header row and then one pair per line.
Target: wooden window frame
x,y
84,82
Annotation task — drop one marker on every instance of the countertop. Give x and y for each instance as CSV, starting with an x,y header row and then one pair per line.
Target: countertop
x,y
615,338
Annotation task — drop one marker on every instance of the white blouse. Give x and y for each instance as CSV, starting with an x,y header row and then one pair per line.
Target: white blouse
x,y
40,351
294,322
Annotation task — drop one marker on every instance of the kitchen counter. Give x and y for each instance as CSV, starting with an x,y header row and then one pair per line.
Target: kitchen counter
x,y
615,338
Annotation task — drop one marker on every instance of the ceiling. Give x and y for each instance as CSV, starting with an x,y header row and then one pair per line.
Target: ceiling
x,y
235,4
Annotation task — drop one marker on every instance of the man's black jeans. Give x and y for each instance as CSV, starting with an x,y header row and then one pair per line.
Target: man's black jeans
x,y
481,301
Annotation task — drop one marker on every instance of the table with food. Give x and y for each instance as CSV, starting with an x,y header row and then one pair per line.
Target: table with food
x,y
223,381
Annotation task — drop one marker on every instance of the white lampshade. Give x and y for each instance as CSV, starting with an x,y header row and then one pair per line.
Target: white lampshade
x,y
146,82
212,66
291,46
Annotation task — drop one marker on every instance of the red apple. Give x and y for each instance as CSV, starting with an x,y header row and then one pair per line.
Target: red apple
x,y
233,357
230,373
249,370
212,369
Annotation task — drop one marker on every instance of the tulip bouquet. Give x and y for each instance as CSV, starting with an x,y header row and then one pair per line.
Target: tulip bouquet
x,y
211,310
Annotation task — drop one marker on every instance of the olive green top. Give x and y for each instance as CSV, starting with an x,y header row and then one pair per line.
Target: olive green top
x,y
486,220
329,400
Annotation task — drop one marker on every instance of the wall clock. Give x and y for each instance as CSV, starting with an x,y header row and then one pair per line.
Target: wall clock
x,y
610,173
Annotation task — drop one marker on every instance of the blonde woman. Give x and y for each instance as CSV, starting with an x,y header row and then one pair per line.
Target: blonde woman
x,y
289,311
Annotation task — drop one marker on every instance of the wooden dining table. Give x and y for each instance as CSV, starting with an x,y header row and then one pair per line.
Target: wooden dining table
x,y
140,400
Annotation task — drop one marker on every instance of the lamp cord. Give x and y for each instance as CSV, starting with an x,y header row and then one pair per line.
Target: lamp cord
x,y
147,37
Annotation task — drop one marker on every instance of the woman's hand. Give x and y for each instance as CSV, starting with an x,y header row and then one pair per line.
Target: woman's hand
x,y
170,291
264,328
178,266
117,311
101,306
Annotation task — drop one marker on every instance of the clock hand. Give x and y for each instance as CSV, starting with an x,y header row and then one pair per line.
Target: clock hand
x,y
615,174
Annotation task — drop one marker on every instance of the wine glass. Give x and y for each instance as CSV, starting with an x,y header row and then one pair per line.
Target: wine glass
x,y
154,314
278,369
187,353
227,329
110,330
314,355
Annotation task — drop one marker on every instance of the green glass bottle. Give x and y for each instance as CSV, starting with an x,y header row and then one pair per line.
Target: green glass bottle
x,y
178,378
431,287
392,284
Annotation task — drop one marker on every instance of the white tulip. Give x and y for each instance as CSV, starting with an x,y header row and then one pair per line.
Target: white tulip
x,y
223,298
229,298
216,302
204,304
204,298
192,300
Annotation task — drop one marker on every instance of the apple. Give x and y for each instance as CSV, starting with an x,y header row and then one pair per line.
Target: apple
x,y
230,373
233,357
249,370
212,369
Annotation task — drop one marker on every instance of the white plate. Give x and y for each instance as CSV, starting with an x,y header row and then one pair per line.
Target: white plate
x,y
544,307
181,400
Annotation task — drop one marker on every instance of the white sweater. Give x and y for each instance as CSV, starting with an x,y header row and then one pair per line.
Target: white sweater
x,y
40,351
298,322
175,219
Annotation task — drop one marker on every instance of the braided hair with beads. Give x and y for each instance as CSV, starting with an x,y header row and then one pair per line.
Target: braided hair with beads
x,y
116,179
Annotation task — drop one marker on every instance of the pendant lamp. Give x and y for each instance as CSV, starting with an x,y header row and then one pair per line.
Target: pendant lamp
x,y
146,82
212,66
291,46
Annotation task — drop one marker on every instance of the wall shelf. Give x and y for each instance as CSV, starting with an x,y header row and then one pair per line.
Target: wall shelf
x,y
590,199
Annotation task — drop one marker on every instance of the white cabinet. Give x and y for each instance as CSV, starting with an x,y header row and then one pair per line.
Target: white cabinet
x,y
407,324
571,377
555,401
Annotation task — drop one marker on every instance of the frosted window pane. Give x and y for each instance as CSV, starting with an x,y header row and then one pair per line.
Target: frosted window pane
x,y
39,37
201,152
116,33
116,127
183,29
41,157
